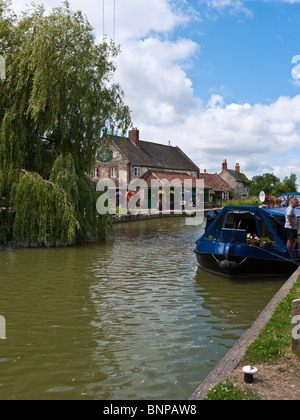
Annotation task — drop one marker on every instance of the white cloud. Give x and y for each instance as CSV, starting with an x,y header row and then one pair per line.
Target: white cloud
x,y
156,86
231,6
258,137
238,5
138,19
215,100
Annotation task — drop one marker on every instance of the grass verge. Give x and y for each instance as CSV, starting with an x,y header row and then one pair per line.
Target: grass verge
x,y
275,337
272,344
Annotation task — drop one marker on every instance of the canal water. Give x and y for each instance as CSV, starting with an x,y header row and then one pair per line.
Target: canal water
x,y
129,318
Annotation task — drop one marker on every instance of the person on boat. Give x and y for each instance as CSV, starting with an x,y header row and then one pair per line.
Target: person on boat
x,y
291,224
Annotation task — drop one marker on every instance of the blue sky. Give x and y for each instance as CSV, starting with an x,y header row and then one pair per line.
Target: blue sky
x,y
212,76
249,54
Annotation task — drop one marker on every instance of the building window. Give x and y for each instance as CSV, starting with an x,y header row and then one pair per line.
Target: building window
x,y
113,172
137,171
95,173
194,174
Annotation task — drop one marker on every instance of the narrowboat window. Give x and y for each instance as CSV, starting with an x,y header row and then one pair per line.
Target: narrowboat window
x,y
214,232
277,227
247,221
242,221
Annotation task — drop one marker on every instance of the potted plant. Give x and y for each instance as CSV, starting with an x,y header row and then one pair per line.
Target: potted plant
x,y
278,202
265,242
253,240
269,201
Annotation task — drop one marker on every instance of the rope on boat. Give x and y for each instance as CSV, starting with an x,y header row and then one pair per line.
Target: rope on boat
x,y
283,258
245,259
215,258
226,263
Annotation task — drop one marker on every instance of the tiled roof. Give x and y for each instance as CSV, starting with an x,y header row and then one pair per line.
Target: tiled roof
x,y
236,175
162,175
214,182
155,155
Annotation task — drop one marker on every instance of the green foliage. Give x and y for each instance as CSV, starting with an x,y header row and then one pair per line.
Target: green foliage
x,y
55,104
275,337
271,185
57,97
246,180
63,173
288,185
265,182
253,201
43,213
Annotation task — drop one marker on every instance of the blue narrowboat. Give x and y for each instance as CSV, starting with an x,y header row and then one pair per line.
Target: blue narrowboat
x,y
246,242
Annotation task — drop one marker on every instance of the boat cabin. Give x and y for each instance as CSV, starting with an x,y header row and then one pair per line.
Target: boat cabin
x,y
239,223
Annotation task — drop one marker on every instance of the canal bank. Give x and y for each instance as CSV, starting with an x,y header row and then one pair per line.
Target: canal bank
x,y
121,218
227,367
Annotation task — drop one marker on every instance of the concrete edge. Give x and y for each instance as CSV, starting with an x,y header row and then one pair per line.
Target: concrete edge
x,y
231,360
155,215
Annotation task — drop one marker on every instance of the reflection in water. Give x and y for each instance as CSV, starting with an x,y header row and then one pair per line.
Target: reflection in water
x,y
132,318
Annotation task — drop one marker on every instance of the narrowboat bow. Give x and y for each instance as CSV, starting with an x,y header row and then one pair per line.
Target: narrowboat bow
x,y
246,242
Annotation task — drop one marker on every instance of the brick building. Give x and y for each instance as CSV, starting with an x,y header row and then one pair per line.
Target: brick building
x,y
235,180
130,158
215,188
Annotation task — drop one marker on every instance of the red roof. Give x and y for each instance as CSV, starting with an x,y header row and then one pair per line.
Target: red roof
x,y
214,182
169,176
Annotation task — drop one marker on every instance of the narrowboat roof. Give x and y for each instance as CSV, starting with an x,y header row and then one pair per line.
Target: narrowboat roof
x,y
278,211
288,194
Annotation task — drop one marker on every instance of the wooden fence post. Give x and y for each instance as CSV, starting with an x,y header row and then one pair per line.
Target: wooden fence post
x,y
296,325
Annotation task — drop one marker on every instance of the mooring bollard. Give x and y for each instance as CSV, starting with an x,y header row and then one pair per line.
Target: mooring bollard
x,y
296,325
249,372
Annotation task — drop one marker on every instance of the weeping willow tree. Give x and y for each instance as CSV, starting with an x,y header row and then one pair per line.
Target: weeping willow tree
x,y
56,102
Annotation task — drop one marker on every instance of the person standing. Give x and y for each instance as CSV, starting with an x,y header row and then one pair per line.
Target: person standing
x,y
291,224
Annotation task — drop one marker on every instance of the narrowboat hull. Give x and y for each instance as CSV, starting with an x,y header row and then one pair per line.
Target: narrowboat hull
x,y
224,248
243,267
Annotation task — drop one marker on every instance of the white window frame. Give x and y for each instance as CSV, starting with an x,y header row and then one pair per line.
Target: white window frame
x,y
113,173
137,171
95,172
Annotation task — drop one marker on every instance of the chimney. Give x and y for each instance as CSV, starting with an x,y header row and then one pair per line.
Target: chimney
x,y
224,165
205,171
134,136
169,142
237,167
